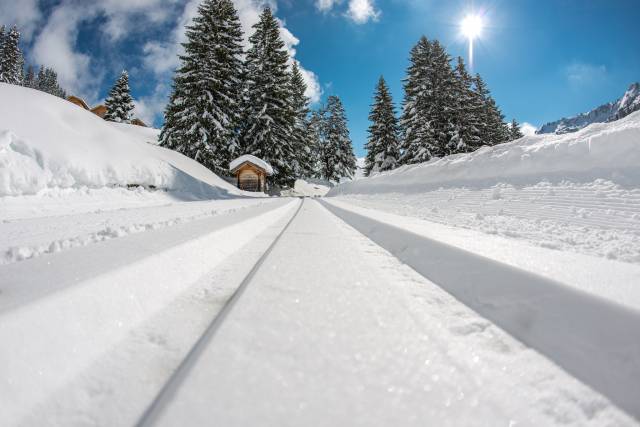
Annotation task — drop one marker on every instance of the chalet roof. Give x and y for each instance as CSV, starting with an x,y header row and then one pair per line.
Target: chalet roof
x,y
99,110
78,101
248,158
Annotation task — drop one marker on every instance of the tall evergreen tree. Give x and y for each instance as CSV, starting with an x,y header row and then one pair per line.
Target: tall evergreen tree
x,y
30,79
119,103
301,136
418,142
269,113
469,110
339,160
494,129
383,146
204,112
47,81
11,62
514,131
2,40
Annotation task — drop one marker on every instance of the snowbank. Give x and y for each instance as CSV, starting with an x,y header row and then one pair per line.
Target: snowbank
x,y
47,142
608,151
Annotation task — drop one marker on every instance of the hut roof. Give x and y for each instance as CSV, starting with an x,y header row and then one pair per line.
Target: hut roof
x,y
99,110
248,158
78,101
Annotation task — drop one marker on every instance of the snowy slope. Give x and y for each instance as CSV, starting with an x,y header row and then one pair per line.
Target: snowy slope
x,y
611,111
48,143
578,192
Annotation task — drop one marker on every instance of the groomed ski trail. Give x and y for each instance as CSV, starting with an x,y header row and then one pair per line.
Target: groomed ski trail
x,y
333,330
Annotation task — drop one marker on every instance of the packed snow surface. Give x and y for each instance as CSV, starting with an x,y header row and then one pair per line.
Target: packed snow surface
x,y
345,334
578,192
251,159
49,143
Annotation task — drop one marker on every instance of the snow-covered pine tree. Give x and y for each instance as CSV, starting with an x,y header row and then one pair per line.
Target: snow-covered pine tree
x,y
316,138
2,39
442,106
418,141
383,145
340,161
269,114
494,129
514,131
469,113
301,136
11,62
119,103
30,78
204,112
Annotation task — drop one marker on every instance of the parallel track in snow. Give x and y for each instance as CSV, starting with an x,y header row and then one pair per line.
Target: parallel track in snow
x,y
174,382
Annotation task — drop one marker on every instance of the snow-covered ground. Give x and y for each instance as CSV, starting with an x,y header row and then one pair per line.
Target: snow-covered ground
x,y
137,287
578,192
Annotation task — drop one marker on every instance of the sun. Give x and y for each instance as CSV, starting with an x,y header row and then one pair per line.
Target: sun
x,y
471,26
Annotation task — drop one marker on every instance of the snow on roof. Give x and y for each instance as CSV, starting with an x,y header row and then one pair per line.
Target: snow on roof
x,y
253,160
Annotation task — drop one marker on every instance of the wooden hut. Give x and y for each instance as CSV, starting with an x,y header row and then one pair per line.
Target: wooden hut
x,y
251,173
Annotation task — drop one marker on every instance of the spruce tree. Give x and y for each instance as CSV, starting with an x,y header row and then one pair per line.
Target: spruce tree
x,y
269,113
301,137
383,150
339,160
119,103
418,141
203,116
30,79
469,112
2,39
514,131
11,62
494,129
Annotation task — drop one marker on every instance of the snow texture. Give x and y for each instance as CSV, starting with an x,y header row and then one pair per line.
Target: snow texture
x,y
578,192
47,142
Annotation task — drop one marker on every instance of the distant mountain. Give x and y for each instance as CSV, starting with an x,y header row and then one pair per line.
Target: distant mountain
x,y
610,112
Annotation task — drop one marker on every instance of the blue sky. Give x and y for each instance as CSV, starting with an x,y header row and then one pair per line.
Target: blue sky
x,y
542,59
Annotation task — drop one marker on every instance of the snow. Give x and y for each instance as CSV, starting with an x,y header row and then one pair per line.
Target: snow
x,y
348,335
91,320
611,111
546,314
251,159
578,192
308,187
49,143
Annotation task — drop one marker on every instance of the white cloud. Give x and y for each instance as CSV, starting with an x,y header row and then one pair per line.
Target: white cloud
x,y
528,129
362,11
23,13
326,5
581,74
54,47
149,108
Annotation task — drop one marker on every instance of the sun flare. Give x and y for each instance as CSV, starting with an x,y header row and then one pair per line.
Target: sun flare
x,y
471,26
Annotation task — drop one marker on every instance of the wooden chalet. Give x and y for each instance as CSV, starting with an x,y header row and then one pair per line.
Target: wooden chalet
x,y
100,110
251,173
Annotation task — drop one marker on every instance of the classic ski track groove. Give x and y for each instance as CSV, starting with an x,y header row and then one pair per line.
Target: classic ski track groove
x,y
165,394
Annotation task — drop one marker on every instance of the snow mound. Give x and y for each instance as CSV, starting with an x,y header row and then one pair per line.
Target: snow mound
x,y
47,142
308,187
252,159
601,151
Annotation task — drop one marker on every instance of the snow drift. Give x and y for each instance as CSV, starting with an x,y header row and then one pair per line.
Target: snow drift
x,y
47,142
608,151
